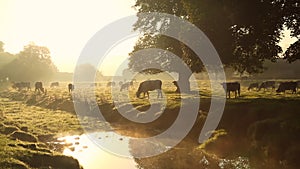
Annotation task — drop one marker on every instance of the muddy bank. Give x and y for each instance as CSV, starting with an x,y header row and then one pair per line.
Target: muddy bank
x,y
23,150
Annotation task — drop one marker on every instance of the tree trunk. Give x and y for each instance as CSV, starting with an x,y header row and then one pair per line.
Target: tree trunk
x,y
183,81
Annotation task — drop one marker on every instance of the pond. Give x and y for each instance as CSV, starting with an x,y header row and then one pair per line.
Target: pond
x,y
92,156
86,149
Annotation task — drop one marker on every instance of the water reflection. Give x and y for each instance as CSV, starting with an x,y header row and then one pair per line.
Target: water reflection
x,y
91,156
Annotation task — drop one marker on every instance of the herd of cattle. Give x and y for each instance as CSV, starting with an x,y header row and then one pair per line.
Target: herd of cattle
x,y
283,86
38,86
150,85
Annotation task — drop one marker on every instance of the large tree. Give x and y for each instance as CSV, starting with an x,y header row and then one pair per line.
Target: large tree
x,y
31,64
245,33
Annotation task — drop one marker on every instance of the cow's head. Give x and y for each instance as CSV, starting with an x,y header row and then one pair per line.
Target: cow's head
x,y
224,85
279,90
138,93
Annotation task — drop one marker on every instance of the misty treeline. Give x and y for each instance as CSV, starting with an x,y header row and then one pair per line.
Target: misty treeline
x,y
31,64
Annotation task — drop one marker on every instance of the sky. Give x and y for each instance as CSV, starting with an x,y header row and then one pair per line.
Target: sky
x,y
65,26
62,26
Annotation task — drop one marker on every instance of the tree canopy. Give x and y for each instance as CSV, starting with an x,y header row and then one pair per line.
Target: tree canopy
x,y
33,63
245,33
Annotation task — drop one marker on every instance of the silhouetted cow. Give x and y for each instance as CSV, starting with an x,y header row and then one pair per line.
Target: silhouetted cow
x,y
232,87
252,86
21,85
266,85
70,87
149,85
287,86
298,84
39,87
177,87
54,84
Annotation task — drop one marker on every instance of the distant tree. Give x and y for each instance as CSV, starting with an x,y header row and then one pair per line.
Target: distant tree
x,y
31,64
5,57
244,32
86,72
1,47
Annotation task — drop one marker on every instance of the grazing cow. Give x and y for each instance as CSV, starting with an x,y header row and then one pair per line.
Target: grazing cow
x,y
177,87
21,85
149,85
125,86
111,84
252,86
39,87
266,85
54,84
298,84
287,86
70,87
232,87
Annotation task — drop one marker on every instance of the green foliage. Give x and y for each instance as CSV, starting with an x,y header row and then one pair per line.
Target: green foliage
x,y
33,63
245,33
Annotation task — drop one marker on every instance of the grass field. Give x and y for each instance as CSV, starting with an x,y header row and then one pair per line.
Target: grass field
x,y
257,130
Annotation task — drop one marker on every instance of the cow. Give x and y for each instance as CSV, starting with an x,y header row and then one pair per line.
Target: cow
x,y
125,86
149,85
232,87
266,85
177,87
287,86
70,87
54,84
298,84
21,85
252,86
110,84
39,87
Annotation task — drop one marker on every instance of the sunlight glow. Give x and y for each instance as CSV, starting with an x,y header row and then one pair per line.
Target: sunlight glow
x,y
62,26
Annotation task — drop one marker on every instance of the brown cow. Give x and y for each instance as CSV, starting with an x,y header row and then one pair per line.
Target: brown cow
x,y
232,87
150,85
287,86
70,87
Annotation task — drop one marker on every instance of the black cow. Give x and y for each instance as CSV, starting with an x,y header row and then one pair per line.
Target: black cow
x,y
232,87
298,84
252,86
149,85
39,87
70,87
54,84
177,87
287,86
21,85
266,85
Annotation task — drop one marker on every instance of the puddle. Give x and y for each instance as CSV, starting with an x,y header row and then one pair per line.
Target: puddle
x,y
92,156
